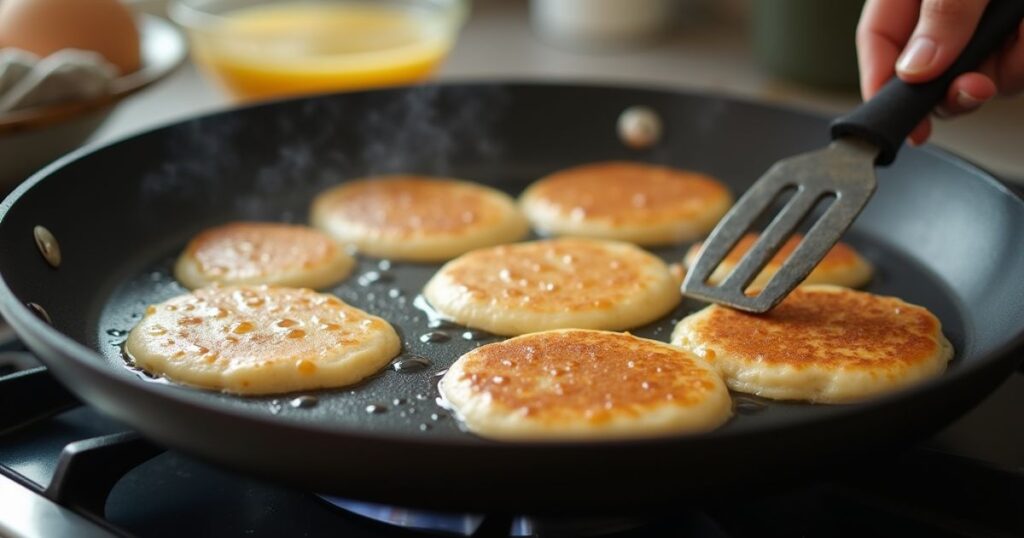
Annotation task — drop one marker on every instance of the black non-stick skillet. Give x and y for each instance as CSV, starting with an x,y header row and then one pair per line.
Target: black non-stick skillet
x,y
941,232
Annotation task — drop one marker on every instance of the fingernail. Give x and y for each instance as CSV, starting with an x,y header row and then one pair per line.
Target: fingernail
x,y
917,56
967,100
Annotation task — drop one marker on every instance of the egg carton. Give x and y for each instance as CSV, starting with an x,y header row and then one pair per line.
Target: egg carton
x,y
28,81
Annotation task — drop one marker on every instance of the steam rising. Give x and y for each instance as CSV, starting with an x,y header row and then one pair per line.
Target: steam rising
x,y
268,161
412,134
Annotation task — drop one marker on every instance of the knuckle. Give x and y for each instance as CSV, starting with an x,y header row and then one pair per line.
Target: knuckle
x,y
862,39
950,10
863,33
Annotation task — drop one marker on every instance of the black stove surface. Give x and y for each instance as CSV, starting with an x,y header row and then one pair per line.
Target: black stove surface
x,y
78,473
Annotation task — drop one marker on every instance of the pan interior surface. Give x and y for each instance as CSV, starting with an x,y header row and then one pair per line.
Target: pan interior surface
x,y
940,233
401,400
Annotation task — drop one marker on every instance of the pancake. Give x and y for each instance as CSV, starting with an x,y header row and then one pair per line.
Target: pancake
x,y
640,203
824,344
262,253
260,340
418,218
554,284
842,266
580,384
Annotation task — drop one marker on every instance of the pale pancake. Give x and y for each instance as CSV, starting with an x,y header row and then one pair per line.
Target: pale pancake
x,y
262,253
824,344
260,340
581,384
418,218
842,266
554,284
640,203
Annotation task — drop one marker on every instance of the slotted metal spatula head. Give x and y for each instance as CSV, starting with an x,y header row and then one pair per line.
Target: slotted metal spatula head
x,y
872,133
844,170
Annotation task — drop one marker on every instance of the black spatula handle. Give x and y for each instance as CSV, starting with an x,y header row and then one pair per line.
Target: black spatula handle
x,y
888,118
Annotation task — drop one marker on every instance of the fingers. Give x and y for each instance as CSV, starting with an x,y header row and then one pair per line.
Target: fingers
x,y
919,39
885,26
1009,68
967,92
1002,73
942,31
882,32
921,133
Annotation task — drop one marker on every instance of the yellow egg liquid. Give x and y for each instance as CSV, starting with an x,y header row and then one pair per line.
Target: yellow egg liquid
x,y
297,48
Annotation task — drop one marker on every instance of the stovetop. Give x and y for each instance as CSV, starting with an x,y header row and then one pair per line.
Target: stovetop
x,y
78,473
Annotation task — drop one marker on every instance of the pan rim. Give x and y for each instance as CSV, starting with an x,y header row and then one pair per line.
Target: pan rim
x,y
23,320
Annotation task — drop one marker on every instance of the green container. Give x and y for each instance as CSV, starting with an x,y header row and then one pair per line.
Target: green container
x,y
808,41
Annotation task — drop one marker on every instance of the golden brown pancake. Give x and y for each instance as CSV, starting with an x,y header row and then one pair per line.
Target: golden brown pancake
x,y
262,253
554,284
582,384
842,266
260,340
824,344
640,203
418,218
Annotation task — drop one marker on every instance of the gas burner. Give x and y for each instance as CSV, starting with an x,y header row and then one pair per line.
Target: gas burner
x,y
66,470
479,525
16,361
13,356
475,525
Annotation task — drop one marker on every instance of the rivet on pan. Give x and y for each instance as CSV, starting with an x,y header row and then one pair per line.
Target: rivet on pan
x,y
639,127
48,246
39,312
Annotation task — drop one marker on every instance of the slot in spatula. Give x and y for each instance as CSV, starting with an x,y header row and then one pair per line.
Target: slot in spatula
x,y
870,135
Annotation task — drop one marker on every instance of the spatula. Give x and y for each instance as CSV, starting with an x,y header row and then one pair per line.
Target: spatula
x,y
870,135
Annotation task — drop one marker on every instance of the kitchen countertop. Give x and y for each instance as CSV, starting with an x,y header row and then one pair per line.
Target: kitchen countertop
x,y
711,52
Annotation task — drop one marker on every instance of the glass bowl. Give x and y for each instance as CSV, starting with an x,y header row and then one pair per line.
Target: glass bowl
x,y
272,48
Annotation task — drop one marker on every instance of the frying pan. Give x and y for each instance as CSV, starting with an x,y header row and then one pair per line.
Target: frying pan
x,y
941,232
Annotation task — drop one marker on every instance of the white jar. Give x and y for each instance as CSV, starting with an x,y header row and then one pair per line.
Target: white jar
x,y
601,24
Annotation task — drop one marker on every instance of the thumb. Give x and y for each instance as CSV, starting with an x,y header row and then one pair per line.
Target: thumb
x,y
943,29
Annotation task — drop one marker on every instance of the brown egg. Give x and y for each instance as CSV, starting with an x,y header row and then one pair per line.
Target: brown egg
x,y
43,27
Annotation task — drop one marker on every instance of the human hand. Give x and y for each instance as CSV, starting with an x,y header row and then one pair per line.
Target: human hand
x,y
918,39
